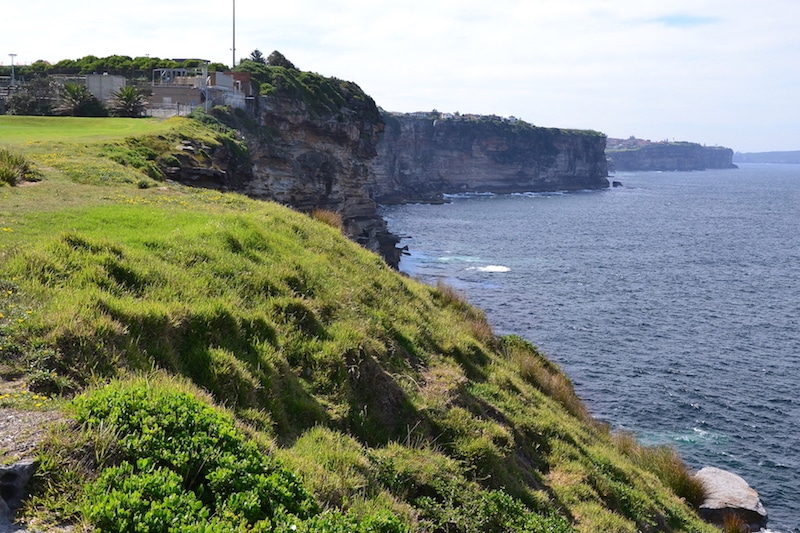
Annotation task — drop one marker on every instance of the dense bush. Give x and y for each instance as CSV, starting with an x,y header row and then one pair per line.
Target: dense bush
x,y
172,445
38,96
322,96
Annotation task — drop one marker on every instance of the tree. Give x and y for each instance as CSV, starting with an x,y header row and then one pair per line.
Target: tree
x,y
40,66
277,59
128,101
257,57
38,96
77,101
218,67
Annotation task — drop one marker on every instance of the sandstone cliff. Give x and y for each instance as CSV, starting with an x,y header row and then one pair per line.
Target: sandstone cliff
x,y
667,156
309,160
322,143
422,156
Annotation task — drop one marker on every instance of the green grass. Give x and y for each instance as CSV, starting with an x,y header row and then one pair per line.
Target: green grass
x,y
16,130
391,403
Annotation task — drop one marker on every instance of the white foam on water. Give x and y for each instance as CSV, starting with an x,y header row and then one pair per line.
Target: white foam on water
x,y
458,258
491,268
467,195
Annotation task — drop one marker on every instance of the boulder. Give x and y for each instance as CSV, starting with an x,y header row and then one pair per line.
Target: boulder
x,y
729,496
13,480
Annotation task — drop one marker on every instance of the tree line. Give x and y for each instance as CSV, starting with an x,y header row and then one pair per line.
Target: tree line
x,y
40,89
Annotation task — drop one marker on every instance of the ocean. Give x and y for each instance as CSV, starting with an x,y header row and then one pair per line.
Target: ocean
x,y
672,302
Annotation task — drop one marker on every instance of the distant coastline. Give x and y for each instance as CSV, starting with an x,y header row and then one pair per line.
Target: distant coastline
x,y
634,154
788,157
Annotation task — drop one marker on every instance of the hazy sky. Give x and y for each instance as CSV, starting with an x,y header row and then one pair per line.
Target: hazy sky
x,y
717,72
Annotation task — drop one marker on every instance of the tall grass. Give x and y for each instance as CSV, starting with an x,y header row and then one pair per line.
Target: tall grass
x,y
330,218
14,168
665,463
545,375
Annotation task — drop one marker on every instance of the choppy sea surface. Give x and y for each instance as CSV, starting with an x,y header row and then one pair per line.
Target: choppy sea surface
x,y
673,303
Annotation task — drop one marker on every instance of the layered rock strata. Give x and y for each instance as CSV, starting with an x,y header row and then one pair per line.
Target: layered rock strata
x,y
348,158
310,161
421,157
665,156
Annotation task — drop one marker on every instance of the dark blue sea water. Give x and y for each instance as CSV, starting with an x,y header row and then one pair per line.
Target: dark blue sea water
x,y
672,302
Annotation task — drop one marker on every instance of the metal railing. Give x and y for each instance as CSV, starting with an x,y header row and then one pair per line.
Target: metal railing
x,y
170,110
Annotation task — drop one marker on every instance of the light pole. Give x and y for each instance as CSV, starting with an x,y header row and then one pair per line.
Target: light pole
x,y
234,36
13,81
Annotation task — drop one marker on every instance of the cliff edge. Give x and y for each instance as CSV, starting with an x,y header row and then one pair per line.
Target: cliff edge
x,y
312,148
636,154
424,155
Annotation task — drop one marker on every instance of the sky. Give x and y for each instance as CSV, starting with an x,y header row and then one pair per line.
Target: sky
x,y
716,72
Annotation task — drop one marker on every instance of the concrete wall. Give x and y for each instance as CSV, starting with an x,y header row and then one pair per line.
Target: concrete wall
x,y
102,85
167,94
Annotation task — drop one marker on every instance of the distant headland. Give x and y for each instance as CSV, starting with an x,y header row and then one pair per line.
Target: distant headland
x,y
639,154
789,157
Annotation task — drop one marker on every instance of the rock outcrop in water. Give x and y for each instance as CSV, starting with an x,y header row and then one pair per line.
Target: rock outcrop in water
x,y
423,155
636,154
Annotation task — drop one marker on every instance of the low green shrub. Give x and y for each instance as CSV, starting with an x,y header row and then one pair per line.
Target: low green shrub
x,y
142,498
180,464
179,455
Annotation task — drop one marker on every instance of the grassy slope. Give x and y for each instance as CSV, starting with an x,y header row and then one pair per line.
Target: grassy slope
x,y
384,394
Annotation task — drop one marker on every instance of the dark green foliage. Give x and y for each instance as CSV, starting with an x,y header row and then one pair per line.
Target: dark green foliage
x,y
276,59
77,101
448,502
323,96
218,67
228,121
128,498
257,57
181,465
128,101
181,460
38,96
131,67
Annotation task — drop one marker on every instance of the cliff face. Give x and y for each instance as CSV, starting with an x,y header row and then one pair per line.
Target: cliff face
x,y
671,156
309,160
420,158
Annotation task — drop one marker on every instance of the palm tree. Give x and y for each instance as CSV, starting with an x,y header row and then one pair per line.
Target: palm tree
x,y
78,101
128,101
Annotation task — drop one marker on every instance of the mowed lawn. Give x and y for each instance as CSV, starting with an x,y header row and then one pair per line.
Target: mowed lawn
x,y
20,130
